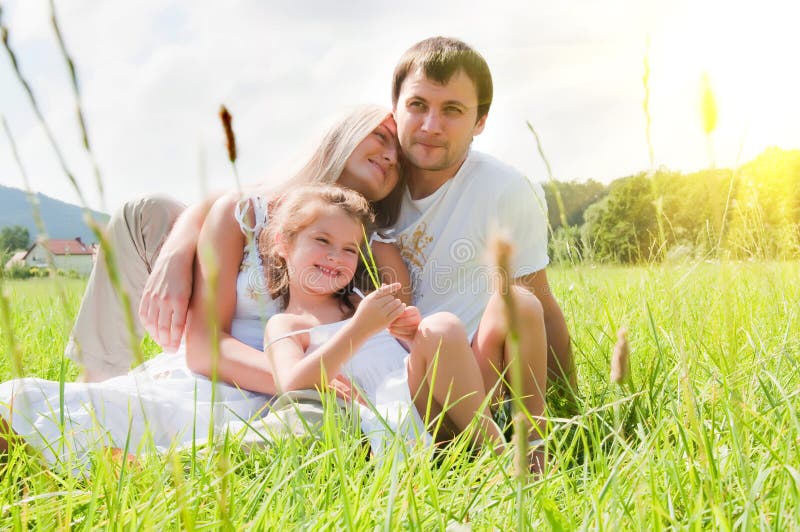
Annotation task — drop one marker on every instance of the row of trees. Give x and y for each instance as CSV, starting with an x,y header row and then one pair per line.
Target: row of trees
x,y
749,212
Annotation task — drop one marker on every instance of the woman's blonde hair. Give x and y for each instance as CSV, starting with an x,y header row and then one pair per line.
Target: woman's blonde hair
x,y
298,209
328,160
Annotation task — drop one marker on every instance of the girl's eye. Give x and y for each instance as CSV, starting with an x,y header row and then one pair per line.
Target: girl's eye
x,y
322,239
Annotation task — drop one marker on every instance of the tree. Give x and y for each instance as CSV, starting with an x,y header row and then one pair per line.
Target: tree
x,y
622,227
14,237
575,196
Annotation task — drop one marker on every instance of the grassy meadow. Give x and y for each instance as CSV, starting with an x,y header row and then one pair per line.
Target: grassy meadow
x,y
704,435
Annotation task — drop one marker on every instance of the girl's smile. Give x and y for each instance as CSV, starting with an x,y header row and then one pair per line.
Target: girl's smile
x,y
323,256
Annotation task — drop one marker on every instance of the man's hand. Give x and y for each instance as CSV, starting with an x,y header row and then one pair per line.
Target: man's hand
x,y
165,300
404,327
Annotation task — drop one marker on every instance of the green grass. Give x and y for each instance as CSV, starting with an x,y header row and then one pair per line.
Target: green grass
x,y
706,435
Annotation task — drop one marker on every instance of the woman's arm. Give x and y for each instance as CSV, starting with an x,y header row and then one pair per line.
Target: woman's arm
x,y
392,269
219,255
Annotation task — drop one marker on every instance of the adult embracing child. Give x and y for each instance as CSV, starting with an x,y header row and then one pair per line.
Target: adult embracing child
x,y
169,398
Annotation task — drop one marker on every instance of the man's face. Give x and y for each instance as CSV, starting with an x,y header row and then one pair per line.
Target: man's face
x,y
435,122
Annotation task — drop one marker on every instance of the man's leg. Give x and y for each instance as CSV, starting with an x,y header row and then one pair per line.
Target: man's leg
x,y
442,373
101,340
494,357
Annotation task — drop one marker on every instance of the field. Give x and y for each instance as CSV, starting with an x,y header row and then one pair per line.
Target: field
x,y
705,435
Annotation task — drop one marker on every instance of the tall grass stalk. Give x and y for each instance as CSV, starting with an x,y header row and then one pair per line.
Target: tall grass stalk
x,y
108,253
502,250
78,105
550,178
658,200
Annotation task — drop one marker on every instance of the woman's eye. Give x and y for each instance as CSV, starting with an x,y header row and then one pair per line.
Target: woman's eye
x,y
381,136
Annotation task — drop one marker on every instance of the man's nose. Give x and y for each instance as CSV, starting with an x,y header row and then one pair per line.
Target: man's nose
x,y
431,122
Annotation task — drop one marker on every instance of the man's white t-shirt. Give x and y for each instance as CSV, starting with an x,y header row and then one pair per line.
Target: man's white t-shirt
x,y
443,237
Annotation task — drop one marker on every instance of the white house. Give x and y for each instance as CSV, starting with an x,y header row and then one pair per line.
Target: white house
x,y
67,255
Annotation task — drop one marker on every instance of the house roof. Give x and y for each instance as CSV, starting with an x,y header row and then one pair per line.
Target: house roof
x,y
19,256
64,247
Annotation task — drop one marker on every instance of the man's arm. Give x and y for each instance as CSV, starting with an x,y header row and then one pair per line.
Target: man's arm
x,y
560,364
165,299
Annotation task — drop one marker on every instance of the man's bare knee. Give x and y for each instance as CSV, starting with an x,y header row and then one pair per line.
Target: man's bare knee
x,y
529,308
442,327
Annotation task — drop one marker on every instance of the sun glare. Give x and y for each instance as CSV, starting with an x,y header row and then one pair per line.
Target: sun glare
x,y
744,51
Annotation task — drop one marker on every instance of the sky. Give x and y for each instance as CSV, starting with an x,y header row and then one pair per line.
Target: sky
x,y
153,74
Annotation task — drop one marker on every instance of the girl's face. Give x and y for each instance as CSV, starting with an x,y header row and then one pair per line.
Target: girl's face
x,y
371,169
323,256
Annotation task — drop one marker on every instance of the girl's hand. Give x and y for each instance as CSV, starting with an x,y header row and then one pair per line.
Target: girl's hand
x,y
378,309
404,327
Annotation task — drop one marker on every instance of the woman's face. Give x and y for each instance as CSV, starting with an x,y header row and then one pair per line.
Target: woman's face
x,y
372,167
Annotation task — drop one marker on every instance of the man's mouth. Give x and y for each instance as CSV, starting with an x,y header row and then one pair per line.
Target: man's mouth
x,y
430,145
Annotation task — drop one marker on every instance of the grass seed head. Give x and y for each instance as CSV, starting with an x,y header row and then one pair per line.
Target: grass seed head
x,y
620,359
708,105
500,252
230,138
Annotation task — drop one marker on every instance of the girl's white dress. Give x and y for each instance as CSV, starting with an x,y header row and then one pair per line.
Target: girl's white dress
x,y
160,403
379,371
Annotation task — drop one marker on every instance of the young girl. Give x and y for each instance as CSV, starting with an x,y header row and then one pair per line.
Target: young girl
x,y
312,247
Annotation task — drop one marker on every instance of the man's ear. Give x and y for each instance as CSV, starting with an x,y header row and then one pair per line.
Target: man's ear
x,y
479,125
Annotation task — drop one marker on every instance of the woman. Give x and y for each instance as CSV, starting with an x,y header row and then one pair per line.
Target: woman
x,y
163,397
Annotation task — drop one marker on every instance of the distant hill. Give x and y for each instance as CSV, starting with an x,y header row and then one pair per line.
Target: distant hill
x,y
61,219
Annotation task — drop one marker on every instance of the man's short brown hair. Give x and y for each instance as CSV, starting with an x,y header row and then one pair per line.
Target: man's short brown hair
x,y
440,58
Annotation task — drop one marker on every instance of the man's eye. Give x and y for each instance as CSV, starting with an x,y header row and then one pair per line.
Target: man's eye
x,y
452,110
416,105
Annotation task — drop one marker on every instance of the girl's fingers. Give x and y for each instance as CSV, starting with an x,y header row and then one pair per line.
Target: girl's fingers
x,y
389,288
395,309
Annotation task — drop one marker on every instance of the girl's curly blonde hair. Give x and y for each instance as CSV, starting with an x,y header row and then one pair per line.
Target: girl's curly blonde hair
x,y
293,212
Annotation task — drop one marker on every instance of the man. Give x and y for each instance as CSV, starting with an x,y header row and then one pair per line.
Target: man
x,y
441,94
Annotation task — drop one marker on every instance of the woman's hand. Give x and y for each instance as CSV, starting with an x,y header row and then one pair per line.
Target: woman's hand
x,y
378,310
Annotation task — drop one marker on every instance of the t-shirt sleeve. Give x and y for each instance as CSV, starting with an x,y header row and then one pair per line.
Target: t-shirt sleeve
x,y
522,215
